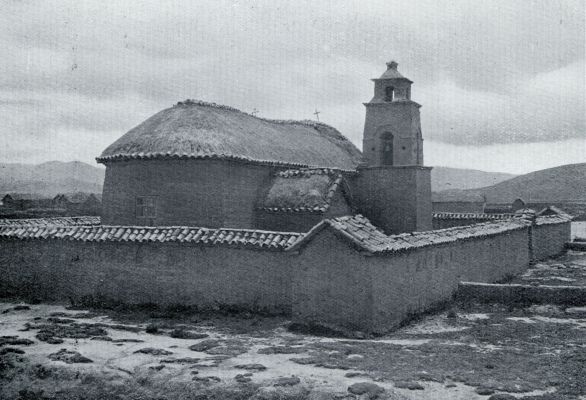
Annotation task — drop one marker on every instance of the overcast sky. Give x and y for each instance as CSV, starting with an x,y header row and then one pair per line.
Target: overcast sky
x,y
502,82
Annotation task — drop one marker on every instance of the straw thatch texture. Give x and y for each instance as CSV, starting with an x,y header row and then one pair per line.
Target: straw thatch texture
x,y
308,190
194,129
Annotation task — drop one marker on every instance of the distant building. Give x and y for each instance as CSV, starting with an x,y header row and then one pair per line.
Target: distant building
x,y
78,203
23,201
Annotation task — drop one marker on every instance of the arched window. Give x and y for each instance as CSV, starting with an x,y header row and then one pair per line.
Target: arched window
x,y
387,148
389,91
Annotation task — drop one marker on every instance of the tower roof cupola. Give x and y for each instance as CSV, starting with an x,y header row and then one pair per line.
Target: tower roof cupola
x,y
392,72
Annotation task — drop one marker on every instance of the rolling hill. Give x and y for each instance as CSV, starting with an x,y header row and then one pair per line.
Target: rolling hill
x,y
444,178
567,182
50,178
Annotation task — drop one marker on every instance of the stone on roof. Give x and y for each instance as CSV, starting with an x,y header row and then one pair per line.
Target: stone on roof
x,y
200,130
302,190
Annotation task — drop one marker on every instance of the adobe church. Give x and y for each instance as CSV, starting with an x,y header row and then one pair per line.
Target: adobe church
x,y
207,165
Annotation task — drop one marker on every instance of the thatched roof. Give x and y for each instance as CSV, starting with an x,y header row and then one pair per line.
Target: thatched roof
x,y
194,129
302,190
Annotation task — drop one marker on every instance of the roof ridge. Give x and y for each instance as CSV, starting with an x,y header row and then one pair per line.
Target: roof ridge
x,y
203,103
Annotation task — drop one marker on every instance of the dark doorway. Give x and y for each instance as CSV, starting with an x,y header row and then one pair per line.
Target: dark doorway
x,y
389,93
387,148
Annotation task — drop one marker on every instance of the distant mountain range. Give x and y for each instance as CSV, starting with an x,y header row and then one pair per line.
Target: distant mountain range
x,y
50,178
444,178
567,182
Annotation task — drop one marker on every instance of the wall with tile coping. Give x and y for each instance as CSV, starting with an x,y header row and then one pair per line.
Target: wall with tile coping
x,y
328,281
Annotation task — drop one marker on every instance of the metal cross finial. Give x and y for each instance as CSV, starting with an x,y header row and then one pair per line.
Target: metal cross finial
x,y
254,112
317,113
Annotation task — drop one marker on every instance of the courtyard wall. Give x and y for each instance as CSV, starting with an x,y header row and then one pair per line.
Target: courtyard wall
x,y
320,277
140,273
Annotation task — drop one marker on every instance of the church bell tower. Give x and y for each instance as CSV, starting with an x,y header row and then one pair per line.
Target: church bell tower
x,y
394,186
392,130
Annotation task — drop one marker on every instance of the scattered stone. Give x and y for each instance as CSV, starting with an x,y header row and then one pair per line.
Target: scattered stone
x,y
72,331
408,385
157,367
153,351
41,371
184,360
502,396
7,350
14,341
48,338
206,379
304,360
371,390
281,350
427,377
152,329
205,345
16,308
287,381
183,334
332,366
451,385
484,391
102,338
452,314
240,378
76,315
118,327
231,351
354,374
69,357
251,367
129,340
55,320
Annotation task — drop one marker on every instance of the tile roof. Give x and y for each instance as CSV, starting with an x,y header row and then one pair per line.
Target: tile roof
x,y
148,234
477,216
365,236
553,210
55,221
552,219
302,190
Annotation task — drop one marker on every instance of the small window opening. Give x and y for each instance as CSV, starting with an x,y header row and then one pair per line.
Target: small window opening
x,y
389,92
146,207
387,148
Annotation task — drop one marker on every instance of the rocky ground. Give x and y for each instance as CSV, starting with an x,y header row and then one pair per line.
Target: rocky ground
x,y
566,270
470,351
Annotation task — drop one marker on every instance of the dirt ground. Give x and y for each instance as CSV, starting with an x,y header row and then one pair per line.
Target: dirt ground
x,y
471,351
